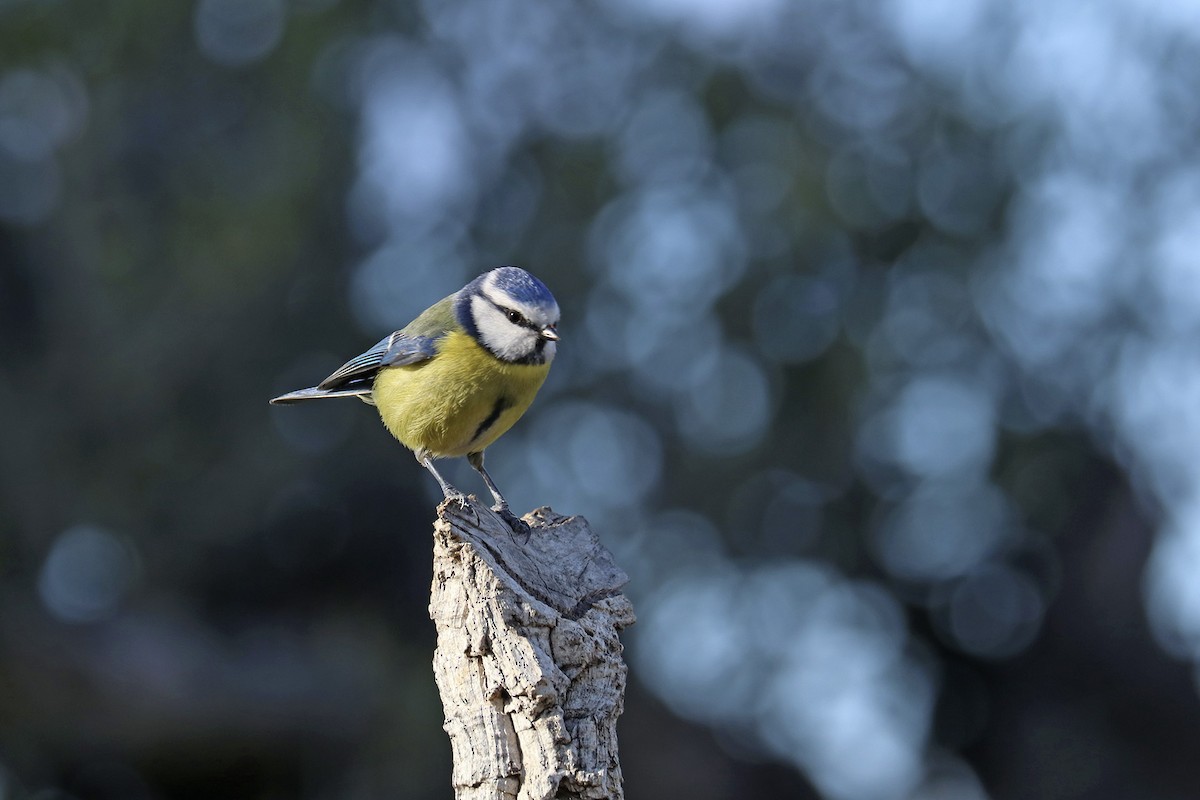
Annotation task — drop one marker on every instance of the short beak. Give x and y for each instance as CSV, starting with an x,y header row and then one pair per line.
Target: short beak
x,y
550,333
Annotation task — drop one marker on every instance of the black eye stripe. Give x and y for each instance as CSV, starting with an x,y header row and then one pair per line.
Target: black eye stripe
x,y
508,312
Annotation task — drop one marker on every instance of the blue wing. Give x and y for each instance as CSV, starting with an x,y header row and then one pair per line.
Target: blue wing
x,y
356,377
394,350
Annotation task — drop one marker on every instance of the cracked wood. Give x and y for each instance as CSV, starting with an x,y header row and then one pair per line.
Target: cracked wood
x,y
528,661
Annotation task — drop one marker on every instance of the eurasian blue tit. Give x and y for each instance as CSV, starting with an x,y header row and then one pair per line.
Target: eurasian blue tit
x,y
458,376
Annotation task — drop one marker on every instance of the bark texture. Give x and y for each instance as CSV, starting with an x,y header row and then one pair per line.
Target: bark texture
x,y
528,660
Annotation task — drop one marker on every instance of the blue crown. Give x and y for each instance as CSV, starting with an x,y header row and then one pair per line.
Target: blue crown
x,y
521,286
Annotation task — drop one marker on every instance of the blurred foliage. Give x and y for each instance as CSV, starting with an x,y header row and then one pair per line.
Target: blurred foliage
x,y
878,375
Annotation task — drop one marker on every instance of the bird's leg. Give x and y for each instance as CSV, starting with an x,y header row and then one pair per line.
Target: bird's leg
x,y
476,461
449,491
517,524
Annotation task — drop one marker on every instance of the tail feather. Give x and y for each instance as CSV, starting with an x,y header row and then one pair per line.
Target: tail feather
x,y
313,393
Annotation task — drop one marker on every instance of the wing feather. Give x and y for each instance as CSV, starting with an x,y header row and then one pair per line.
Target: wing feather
x,y
415,343
393,350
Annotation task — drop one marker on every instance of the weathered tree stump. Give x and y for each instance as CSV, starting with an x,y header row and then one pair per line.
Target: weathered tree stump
x,y
528,659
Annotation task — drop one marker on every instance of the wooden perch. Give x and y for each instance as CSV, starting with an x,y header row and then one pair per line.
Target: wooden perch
x,y
528,659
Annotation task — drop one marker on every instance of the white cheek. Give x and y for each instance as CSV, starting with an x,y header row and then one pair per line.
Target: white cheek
x,y
501,336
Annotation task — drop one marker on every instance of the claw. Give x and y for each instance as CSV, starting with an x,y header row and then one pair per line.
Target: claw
x,y
519,527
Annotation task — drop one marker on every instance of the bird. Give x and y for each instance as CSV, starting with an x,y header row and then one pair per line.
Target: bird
x,y
456,378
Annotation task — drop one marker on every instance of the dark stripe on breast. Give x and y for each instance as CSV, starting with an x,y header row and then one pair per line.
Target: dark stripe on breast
x,y
502,403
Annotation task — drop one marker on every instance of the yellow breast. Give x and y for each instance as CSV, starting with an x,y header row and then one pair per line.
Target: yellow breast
x,y
459,401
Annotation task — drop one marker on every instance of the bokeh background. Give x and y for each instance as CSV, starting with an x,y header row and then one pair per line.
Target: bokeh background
x,y
880,376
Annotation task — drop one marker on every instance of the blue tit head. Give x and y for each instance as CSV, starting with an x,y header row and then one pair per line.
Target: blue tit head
x,y
511,314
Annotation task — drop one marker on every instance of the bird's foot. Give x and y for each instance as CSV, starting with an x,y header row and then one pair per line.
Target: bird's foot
x,y
455,496
519,527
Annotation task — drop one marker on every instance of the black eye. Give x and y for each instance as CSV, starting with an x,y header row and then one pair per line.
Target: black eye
x,y
514,316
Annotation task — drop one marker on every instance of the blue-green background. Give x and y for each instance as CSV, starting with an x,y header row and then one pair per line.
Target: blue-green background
x,y
879,375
